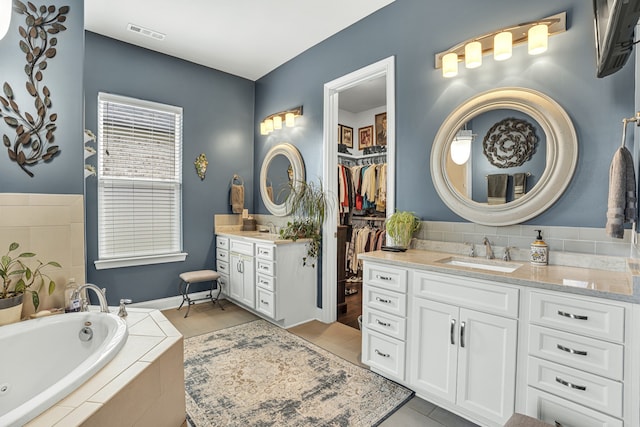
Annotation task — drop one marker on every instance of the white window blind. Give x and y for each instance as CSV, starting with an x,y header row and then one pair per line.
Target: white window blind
x,y
139,182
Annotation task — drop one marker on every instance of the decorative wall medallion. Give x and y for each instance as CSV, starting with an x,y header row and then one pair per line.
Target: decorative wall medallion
x,y
34,139
510,143
201,165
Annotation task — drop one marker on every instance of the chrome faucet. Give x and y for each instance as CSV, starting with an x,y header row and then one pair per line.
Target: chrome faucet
x,y
472,249
487,245
272,227
102,299
507,254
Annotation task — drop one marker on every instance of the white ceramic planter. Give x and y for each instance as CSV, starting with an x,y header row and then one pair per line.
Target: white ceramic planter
x,y
10,309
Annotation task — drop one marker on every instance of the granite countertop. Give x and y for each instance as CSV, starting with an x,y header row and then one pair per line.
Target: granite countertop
x,y
258,236
616,285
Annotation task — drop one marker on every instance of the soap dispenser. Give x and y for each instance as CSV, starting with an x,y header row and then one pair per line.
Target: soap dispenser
x,y
539,251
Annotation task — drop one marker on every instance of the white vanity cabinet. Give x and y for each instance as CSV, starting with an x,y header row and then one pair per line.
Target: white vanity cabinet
x,y
463,340
269,278
576,360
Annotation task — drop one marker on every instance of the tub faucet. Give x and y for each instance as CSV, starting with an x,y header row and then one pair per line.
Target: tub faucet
x,y
487,245
102,299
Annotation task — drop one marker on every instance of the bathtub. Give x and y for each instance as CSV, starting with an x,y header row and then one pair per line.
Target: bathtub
x,y
43,360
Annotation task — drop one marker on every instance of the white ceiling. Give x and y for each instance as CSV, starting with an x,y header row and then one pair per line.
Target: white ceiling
x,y
247,38
365,96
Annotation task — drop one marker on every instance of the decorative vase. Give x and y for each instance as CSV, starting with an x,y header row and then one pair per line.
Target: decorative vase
x,y
10,309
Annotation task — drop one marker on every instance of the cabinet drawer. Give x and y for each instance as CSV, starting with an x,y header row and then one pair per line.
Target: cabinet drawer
x,y
387,301
223,282
387,324
392,278
594,356
222,243
580,387
557,411
222,255
383,353
266,282
265,302
241,247
577,315
476,294
265,267
222,267
266,252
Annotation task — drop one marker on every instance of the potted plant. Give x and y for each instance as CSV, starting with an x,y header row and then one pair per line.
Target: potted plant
x,y
308,204
19,278
400,226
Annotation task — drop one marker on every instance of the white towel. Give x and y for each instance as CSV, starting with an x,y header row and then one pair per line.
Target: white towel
x,y
622,203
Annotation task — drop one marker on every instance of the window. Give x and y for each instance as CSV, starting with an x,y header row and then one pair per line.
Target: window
x,y
139,182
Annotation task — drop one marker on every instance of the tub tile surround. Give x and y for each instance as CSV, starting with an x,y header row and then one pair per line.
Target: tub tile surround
x,y
571,246
52,226
137,388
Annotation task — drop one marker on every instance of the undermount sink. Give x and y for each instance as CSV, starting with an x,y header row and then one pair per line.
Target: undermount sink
x,y
482,264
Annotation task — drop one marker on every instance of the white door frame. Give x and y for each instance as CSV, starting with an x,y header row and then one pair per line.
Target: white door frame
x,y
332,90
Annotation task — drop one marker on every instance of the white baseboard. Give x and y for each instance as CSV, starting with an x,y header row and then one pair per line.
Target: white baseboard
x,y
173,302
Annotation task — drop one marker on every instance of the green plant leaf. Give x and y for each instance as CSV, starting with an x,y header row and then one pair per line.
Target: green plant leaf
x,y
28,273
13,246
26,255
20,287
52,287
55,264
6,259
36,299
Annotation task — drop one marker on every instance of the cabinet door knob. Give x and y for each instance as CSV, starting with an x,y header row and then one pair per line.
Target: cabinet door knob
x,y
452,334
572,316
462,325
571,350
569,384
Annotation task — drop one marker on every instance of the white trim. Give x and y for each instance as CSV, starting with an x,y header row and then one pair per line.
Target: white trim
x,y
104,264
332,89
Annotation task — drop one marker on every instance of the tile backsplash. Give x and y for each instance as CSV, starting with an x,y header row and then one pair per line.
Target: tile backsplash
x,y
52,226
580,246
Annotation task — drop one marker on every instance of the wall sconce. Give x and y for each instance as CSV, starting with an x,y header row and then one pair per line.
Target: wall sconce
x,y
500,43
275,121
461,147
5,16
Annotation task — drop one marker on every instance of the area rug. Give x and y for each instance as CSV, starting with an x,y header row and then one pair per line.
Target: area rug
x,y
257,374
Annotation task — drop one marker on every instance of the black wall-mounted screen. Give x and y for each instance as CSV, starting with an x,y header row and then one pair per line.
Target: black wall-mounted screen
x,y
615,21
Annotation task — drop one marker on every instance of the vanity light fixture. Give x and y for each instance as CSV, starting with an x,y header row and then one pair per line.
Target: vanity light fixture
x,y
461,146
5,16
275,121
500,43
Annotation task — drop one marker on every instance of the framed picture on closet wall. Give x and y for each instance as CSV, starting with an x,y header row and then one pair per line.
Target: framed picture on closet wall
x,y
381,129
365,137
346,136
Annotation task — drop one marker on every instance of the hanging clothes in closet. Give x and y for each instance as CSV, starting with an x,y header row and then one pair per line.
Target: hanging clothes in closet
x,y
363,239
362,189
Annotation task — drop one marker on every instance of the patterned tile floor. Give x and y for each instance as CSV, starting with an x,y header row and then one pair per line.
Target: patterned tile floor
x,y
337,338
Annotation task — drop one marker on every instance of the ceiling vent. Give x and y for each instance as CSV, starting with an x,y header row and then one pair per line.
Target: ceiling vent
x,y
145,32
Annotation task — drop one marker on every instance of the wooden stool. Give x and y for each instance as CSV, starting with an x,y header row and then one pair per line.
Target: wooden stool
x,y
189,277
519,420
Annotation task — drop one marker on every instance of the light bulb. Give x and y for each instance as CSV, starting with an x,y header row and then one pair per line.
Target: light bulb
x,y
263,128
277,122
473,55
502,44
538,39
290,120
450,65
268,124
461,147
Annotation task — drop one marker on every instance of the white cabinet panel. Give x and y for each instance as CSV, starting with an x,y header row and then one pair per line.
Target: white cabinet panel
x,y
385,276
384,353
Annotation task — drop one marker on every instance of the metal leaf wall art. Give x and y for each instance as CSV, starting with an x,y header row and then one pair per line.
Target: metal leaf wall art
x,y
34,138
510,143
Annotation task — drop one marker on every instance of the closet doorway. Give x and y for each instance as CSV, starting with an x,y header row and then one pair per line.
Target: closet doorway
x,y
352,103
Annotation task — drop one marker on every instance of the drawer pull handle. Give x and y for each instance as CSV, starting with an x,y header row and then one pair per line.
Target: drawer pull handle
x,y
387,278
558,424
568,384
264,267
462,325
264,302
382,323
382,300
379,353
572,316
452,334
572,351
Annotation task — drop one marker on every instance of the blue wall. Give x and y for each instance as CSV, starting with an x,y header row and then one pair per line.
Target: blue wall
x,y
64,173
218,121
414,31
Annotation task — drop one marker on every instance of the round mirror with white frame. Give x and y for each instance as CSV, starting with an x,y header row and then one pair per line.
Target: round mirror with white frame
x,y
561,146
281,168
